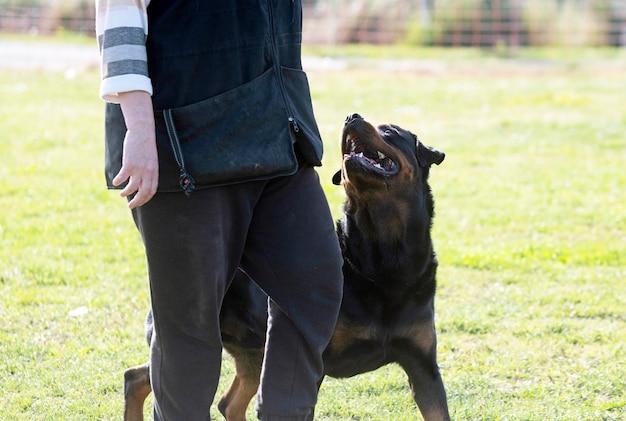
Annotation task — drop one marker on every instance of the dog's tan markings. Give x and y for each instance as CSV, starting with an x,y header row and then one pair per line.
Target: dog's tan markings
x,y
422,336
342,337
346,334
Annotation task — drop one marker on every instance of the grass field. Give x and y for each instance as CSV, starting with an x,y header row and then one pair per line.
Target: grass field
x,y
530,231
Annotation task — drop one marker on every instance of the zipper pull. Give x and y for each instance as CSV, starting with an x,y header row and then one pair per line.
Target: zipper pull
x,y
186,181
294,124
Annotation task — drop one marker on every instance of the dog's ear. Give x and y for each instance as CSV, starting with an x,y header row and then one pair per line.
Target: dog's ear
x,y
337,178
427,156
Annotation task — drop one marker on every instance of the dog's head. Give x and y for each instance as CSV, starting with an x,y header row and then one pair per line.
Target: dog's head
x,y
381,159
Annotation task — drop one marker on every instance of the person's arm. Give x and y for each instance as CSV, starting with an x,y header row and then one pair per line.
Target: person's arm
x,y
121,27
140,163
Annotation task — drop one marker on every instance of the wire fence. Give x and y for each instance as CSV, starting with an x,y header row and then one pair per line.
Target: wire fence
x,y
475,23
46,17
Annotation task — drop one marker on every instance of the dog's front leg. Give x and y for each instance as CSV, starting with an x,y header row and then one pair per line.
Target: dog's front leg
x,y
419,361
427,387
430,398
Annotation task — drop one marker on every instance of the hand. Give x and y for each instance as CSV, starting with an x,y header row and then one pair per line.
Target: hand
x,y
140,164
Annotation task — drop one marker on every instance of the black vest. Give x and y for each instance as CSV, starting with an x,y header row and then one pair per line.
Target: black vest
x,y
204,49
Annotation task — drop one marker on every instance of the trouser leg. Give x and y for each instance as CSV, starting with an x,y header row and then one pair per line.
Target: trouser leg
x,y
193,246
292,252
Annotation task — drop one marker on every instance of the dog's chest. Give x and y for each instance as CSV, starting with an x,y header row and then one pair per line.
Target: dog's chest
x,y
381,327
364,345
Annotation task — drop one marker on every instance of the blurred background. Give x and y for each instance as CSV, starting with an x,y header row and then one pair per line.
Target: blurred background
x,y
476,23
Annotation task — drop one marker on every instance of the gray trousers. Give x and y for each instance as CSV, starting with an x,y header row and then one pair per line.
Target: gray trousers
x,y
281,233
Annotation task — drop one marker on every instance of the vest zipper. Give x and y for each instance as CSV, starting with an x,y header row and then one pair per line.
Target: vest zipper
x,y
294,124
279,74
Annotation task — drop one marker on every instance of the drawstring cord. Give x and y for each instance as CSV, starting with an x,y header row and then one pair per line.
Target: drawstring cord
x,y
186,181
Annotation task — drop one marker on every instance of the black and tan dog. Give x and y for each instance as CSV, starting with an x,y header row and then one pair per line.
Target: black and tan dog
x,y
387,313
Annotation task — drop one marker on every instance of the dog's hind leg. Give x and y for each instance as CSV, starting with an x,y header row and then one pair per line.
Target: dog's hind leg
x,y
136,389
234,403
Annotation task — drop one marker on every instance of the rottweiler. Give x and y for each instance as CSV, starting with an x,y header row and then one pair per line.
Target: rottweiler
x,y
387,312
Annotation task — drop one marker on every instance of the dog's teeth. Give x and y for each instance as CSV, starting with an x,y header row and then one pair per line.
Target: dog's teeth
x,y
381,155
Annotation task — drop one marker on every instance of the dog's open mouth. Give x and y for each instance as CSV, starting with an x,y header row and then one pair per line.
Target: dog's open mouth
x,y
371,158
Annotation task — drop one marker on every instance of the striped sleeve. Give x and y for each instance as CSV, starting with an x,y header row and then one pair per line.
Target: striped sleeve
x,y
122,28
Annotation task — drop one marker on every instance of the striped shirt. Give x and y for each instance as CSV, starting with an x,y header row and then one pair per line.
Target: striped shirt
x,y
122,29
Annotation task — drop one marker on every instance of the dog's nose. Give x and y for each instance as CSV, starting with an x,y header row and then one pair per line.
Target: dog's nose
x,y
353,117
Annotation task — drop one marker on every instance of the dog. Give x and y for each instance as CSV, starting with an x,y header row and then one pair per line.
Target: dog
x,y
387,312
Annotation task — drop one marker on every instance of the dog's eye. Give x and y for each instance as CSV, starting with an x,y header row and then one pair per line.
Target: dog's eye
x,y
390,132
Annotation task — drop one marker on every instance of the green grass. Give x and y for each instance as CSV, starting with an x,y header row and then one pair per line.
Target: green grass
x,y
530,231
60,36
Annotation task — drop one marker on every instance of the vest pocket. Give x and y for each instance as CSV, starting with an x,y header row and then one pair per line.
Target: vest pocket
x,y
241,135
